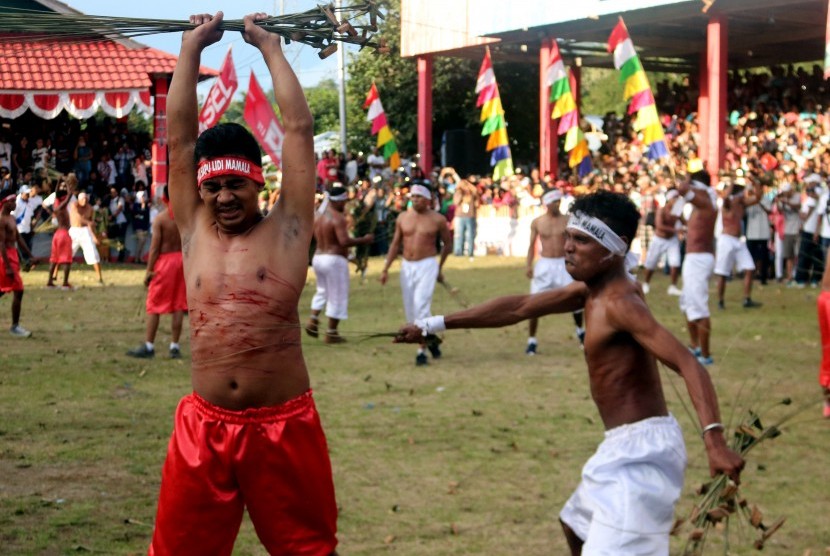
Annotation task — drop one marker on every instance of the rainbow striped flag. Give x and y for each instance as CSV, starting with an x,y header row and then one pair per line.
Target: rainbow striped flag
x,y
386,142
492,114
638,91
562,84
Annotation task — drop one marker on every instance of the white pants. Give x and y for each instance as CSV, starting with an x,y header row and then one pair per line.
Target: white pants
x,y
549,274
694,300
332,272
660,246
417,286
82,238
624,504
731,252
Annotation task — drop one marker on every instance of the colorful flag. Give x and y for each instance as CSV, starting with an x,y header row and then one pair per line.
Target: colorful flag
x,y
637,89
492,116
386,141
220,95
562,84
263,121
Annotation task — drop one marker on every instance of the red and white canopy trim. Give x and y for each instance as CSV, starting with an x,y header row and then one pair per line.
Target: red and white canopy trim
x,y
81,105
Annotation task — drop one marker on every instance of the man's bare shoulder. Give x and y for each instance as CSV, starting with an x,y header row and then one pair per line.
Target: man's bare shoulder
x,y
625,305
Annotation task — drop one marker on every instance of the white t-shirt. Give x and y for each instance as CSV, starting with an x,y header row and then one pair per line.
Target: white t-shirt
x,y
807,207
40,157
6,155
757,220
372,160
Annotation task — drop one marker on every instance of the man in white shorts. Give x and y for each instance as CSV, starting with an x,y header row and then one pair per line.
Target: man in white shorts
x,y
698,262
548,272
331,266
665,241
80,230
731,250
417,232
624,504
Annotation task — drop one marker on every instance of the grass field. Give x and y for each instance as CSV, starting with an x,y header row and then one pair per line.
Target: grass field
x,y
474,454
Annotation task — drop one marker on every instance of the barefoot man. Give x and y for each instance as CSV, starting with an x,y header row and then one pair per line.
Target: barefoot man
x,y
249,435
82,234
698,262
731,251
10,280
61,253
549,271
625,502
165,284
417,232
331,266
665,241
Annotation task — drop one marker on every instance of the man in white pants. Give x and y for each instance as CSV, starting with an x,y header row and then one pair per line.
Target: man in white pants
x,y
665,241
417,232
548,272
731,251
331,266
80,230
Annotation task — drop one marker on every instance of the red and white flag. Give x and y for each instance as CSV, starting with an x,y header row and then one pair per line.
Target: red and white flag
x,y
263,121
220,95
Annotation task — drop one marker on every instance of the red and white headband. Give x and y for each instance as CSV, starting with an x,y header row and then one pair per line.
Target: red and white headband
x,y
228,166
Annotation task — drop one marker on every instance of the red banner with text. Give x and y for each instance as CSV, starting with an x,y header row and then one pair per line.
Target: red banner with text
x,y
220,95
263,121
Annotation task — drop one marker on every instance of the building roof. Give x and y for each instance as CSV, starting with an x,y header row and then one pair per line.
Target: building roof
x,y
70,65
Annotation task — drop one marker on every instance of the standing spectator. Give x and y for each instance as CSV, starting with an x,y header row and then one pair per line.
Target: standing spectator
x,y
417,233
106,169
141,219
10,280
6,181
100,226
376,163
667,220
83,160
118,222
787,226
140,170
63,158
40,155
758,233
466,201
27,211
350,168
327,169
6,153
124,165
22,159
810,256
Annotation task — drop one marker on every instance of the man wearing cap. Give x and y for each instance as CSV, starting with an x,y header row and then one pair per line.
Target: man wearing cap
x,y
548,272
10,280
164,279
331,266
82,234
699,261
624,504
731,251
26,210
249,435
417,233
665,241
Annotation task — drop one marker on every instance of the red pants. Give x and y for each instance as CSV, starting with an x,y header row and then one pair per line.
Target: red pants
x,y
13,284
824,326
61,247
272,460
167,293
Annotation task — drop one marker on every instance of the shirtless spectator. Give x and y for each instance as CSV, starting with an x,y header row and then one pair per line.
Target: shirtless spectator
x,y
731,251
699,262
635,478
61,253
10,280
549,270
249,436
331,266
665,241
165,285
417,233
81,230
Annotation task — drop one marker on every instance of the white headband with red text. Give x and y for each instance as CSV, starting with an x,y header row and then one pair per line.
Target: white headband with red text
x,y
228,166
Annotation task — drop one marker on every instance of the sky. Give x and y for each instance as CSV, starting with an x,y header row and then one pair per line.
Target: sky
x,y
304,59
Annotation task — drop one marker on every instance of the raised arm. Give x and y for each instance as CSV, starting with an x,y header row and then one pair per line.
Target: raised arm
x,y
298,169
183,119
631,315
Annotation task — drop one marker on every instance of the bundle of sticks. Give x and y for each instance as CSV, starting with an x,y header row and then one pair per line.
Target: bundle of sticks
x,y
321,27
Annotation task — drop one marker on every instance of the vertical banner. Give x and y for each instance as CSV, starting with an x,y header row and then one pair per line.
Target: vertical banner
x,y
386,141
159,167
492,118
263,121
220,95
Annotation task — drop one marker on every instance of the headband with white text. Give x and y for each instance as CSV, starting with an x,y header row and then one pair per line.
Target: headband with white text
x,y
598,230
228,166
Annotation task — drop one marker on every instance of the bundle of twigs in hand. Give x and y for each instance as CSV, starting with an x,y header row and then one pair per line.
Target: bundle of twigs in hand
x,y
321,27
721,497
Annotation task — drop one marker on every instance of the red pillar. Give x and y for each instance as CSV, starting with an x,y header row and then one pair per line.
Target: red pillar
x,y
703,108
716,50
548,146
425,112
159,169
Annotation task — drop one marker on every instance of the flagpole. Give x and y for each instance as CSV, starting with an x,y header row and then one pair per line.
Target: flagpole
x,y
341,71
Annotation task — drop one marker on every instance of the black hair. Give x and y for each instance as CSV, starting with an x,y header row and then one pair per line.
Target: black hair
x,y
702,176
335,191
227,139
615,209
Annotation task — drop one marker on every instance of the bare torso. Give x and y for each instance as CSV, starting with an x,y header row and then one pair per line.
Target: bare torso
x,y
625,383
700,230
242,300
9,225
80,215
170,240
551,231
62,216
420,232
325,232
665,222
732,213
